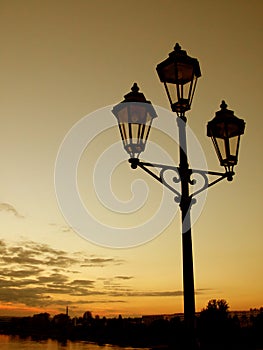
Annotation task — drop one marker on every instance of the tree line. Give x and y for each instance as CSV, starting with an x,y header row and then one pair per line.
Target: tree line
x,y
215,329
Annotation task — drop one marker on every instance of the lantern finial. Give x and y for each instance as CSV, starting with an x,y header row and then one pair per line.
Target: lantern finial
x,y
223,105
135,88
177,47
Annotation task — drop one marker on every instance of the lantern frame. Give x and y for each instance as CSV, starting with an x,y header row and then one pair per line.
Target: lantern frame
x,y
179,73
135,115
225,130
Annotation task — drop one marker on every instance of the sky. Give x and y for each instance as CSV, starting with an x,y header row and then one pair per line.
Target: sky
x,y
62,61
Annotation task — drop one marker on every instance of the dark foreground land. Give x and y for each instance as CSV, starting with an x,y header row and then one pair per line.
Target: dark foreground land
x,y
214,330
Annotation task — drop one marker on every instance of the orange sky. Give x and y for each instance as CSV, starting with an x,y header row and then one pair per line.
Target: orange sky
x,y
63,60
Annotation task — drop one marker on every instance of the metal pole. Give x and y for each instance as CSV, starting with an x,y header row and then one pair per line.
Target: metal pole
x,y
188,271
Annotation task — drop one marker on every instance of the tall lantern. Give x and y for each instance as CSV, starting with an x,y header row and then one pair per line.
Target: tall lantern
x,y
225,131
134,115
179,73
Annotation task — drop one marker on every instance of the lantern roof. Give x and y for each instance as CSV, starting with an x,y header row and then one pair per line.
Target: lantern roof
x,y
134,96
177,56
225,124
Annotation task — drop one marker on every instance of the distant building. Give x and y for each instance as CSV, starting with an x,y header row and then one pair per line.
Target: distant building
x,y
245,317
148,319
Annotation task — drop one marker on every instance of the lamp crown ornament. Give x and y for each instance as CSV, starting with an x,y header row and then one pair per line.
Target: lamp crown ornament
x,y
178,51
177,47
135,88
223,105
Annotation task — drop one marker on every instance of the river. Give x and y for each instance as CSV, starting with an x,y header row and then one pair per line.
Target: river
x,y
8,342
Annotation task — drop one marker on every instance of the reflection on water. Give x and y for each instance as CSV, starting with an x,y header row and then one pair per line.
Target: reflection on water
x,y
15,343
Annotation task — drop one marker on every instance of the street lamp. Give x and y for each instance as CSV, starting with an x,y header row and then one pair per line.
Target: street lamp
x,y
179,74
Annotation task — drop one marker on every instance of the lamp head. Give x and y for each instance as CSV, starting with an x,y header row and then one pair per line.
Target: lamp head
x,y
179,73
225,130
134,115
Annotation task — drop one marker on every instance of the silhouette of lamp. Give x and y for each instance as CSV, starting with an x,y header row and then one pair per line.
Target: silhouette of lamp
x,y
135,115
225,131
179,73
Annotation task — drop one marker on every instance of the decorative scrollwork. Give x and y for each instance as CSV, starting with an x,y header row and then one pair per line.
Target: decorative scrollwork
x,y
163,169
204,179
206,184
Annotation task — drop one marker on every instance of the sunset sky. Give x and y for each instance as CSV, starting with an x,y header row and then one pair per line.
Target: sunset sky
x,y
64,60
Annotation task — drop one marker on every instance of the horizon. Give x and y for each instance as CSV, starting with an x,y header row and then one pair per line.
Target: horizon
x,y
250,310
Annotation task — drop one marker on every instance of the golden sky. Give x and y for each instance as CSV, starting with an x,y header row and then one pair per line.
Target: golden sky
x,y
63,60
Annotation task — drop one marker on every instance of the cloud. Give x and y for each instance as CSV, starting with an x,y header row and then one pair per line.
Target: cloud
x,y
38,275
35,274
124,277
82,283
100,262
21,273
9,208
147,293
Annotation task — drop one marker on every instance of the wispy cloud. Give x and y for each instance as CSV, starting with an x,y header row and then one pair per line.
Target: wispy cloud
x,y
96,261
9,208
124,277
127,293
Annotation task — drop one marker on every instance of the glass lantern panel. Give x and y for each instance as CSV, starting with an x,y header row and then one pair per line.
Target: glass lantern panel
x,y
137,113
123,133
148,118
171,92
184,73
135,133
177,73
221,148
233,129
126,131
219,130
122,115
233,145
147,131
168,74
185,91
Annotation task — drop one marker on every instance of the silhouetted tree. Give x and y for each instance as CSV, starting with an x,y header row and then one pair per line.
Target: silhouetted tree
x,y
214,322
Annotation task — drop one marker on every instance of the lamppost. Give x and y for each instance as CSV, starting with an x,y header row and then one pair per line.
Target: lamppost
x,y
179,74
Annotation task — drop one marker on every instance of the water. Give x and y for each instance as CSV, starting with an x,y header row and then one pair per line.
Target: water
x,y
8,342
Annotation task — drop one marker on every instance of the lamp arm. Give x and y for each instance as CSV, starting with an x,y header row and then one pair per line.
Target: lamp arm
x,y
145,166
135,162
204,173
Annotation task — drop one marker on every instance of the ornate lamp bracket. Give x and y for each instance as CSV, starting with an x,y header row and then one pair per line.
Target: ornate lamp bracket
x,y
195,176
206,176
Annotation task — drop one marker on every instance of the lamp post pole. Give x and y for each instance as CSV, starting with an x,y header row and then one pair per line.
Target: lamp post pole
x,y
185,206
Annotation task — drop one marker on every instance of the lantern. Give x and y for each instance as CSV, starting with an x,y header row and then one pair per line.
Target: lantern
x,y
225,131
179,73
134,115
